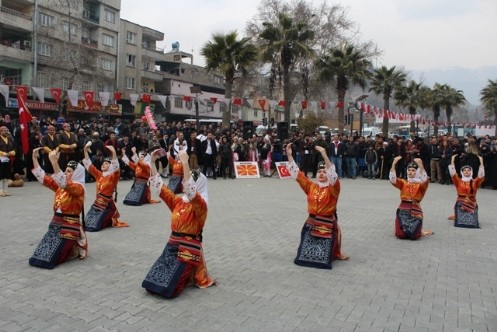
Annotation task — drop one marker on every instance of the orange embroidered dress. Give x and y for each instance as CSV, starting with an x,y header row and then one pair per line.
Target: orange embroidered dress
x,y
409,217
103,213
65,238
182,259
466,207
140,191
321,237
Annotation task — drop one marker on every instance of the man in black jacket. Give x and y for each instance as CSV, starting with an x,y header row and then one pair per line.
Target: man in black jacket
x,y
209,153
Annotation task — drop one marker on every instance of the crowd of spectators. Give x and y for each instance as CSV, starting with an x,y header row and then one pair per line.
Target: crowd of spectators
x,y
213,149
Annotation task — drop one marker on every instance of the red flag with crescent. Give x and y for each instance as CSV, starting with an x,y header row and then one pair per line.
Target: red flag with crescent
x,y
213,99
56,94
117,96
323,105
237,101
304,104
22,94
187,98
262,103
340,104
89,95
146,98
24,116
281,103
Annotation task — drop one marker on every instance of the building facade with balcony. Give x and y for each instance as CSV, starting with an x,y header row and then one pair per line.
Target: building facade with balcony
x,y
67,45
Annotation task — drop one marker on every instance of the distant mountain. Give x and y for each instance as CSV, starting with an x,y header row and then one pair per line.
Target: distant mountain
x,y
470,81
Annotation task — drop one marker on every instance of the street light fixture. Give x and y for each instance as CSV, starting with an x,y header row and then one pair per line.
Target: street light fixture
x,y
360,98
196,90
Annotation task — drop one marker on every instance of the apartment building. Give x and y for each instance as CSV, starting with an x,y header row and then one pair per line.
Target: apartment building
x,y
59,44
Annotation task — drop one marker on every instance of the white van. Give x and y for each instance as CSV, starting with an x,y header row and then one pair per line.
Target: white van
x,y
323,129
371,131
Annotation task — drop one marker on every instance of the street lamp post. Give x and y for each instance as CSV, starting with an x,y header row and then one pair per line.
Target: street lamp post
x,y
360,98
196,90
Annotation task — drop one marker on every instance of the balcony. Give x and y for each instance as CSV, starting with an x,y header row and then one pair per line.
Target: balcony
x,y
152,34
91,17
13,19
15,54
152,75
85,41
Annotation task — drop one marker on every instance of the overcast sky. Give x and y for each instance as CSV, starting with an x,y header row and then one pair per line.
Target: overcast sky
x,y
415,34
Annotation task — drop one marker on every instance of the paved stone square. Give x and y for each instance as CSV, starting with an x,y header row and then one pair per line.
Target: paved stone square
x,y
445,282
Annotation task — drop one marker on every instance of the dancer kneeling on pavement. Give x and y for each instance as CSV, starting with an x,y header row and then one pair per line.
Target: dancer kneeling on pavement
x,y
466,208
140,191
321,238
65,238
409,218
103,213
182,259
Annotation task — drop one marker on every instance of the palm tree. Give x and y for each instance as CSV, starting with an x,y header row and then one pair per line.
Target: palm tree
x,y
341,65
410,96
384,81
489,99
282,45
229,55
450,98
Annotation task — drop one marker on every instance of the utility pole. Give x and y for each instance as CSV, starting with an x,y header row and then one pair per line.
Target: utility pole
x,y
196,90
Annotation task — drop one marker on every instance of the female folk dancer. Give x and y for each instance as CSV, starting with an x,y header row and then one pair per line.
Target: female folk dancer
x,y
182,258
65,238
409,217
320,239
103,213
140,192
177,176
466,208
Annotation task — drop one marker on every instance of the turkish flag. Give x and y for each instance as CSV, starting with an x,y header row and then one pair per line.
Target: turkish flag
x,y
56,94
304,104
117,96
89,95
262,103
24,118
146,98
237,101
323,105
187,98
340,104
22,94
281,103
213,99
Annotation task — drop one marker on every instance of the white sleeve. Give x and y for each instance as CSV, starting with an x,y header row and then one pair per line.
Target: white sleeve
x,y
452,170
393,177
39,173
189,188
125,159
60,179
156,183
293,169
87,163
332,175
134,158
114,166
481,171
423,176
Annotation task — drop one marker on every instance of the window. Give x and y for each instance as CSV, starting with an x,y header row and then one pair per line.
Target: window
x,y
86,86
178,102
131,37
101,87
107,64
65,83
255,113
66,27
110,16
45,20
130,60
223,107
130,83
218,79
44,49
68,55
107,40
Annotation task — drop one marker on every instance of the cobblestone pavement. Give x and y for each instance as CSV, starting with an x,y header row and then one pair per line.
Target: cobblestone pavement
x,y
445,282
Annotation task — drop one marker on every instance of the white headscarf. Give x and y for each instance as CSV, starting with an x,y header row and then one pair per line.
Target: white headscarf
x,y
466,178
79,176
